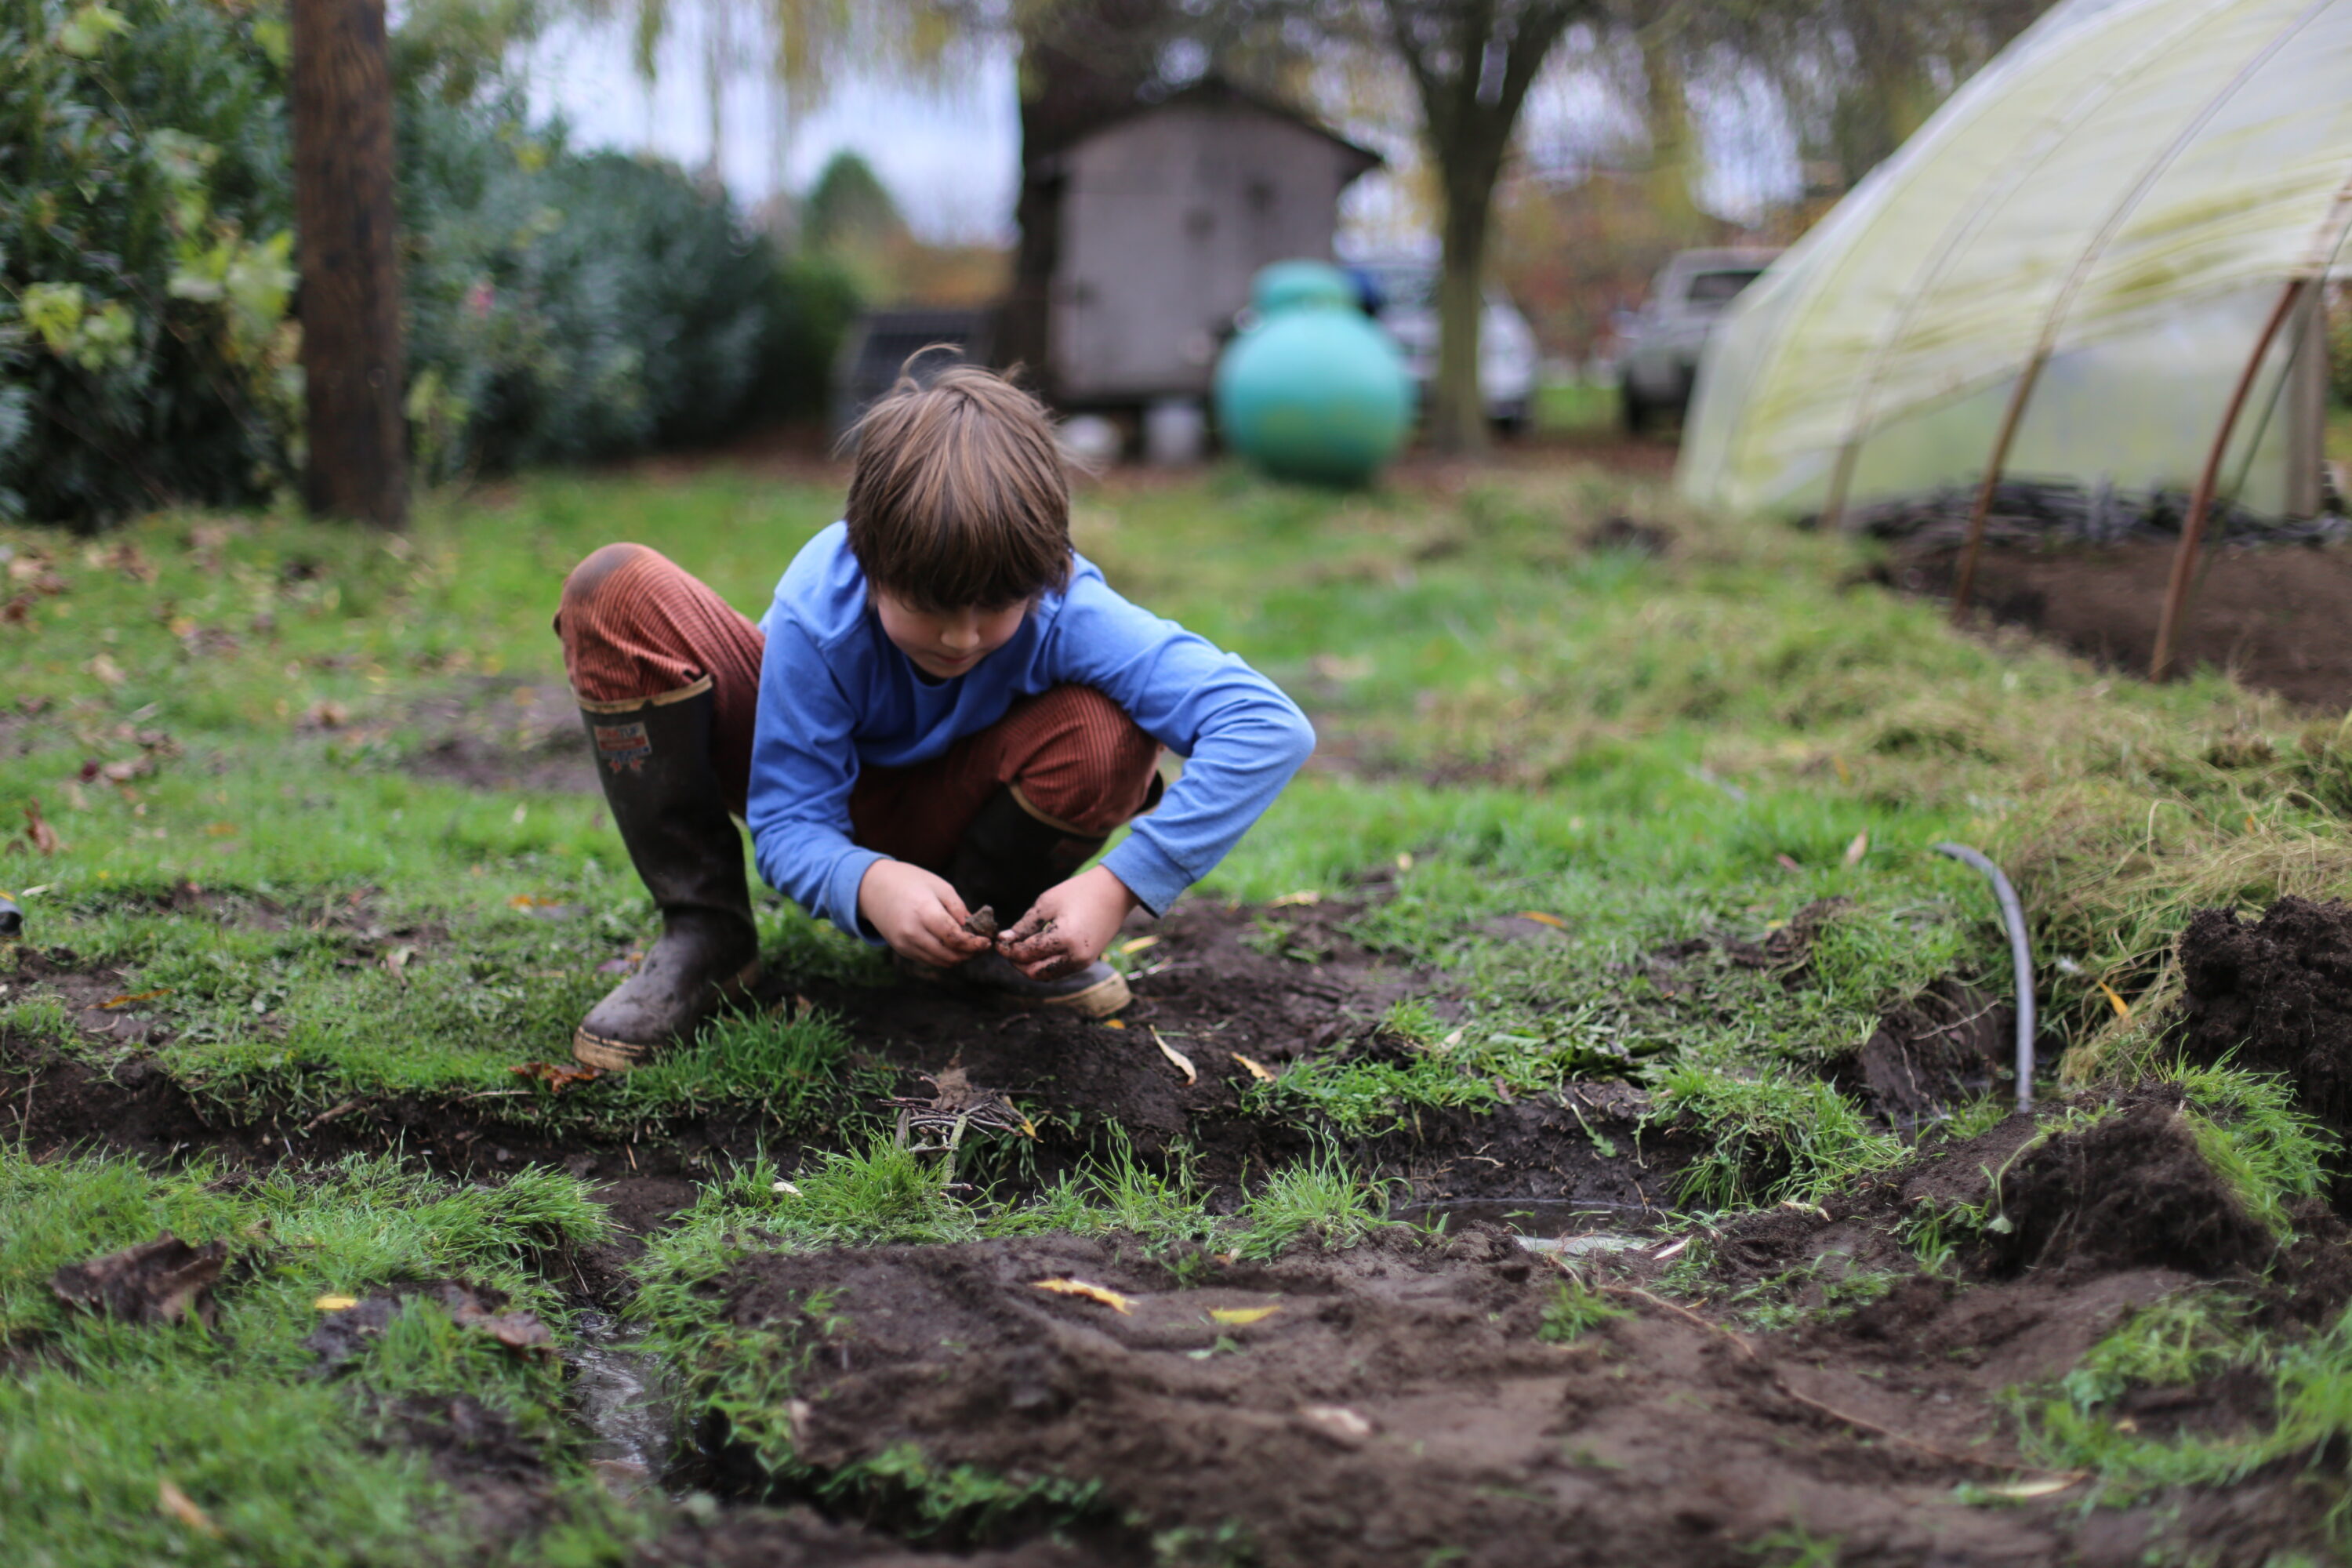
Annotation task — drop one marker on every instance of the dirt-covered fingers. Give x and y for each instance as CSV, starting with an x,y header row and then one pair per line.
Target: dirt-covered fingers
x,y
919,913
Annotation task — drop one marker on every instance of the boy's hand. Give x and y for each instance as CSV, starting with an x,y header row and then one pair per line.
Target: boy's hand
x,y
917,913
1069,926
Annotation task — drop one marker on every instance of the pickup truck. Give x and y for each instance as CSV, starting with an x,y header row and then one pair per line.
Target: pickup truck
x,y
1658,364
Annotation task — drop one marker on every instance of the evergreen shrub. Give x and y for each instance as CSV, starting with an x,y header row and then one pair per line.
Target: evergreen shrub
x,y
558,306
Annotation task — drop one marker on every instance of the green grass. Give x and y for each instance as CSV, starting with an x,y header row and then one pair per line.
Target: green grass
x,y
96,1415
1652,752
1539,727
1576,406
2248,1130
1769,1137
1576,1309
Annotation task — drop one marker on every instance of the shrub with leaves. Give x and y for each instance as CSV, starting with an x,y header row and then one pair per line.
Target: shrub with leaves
x,y
564,307
558,306
145,256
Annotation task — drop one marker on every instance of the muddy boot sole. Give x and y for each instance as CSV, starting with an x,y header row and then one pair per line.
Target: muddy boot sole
x,y
606,1054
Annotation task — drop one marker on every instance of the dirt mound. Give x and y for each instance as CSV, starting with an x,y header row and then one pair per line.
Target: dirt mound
x,y
2275,996
2131,1190
1397,1406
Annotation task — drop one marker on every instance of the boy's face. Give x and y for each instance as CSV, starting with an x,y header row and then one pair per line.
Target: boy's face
x,y
944,643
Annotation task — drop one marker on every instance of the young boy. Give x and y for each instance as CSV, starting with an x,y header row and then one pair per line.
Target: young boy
x,y
946,711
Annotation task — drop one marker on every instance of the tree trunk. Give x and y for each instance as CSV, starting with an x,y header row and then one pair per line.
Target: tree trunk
x,y
352,368
1472,64
1457,416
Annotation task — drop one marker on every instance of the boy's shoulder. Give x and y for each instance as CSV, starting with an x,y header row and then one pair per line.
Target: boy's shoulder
x,y
823,591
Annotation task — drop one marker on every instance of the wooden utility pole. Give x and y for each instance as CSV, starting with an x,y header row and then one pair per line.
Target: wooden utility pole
x,y
345,227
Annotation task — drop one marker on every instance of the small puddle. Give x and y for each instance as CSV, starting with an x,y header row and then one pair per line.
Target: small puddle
x,y
1528,1216
623,1398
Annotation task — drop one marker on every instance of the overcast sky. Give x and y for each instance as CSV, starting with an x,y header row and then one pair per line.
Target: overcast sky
x,y
949,152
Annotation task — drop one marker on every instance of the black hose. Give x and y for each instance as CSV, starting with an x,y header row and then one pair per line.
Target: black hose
x,y
2012,915
12,919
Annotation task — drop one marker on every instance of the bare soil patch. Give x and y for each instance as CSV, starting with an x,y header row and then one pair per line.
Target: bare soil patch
x,y
2278,616
503,735
1397,1405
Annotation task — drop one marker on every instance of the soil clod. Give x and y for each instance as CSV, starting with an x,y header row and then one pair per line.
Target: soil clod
x,y
2275,996
159,1281
2131,1190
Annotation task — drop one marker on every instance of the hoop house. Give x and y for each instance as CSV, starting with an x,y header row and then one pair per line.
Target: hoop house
x,y
2095,267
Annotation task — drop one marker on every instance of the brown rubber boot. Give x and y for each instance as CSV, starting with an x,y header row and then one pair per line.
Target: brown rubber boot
x,y
653,758
1009,854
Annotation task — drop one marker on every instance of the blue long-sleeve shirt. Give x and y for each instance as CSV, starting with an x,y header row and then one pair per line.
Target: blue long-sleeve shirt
x,y
835,694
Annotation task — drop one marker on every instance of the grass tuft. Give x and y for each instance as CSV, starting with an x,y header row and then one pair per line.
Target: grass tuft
x,y
1318,1199
1576,1309
1769,1137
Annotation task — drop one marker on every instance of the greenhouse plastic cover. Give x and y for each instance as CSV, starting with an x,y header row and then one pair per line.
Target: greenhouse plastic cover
x,y
2122,194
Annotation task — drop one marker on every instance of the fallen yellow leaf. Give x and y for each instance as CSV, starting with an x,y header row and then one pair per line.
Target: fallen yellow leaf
x,y
334,1303
1304,896
1182,1062
1858,849
111,1002
1137,945
171,1500
1241,1317
1102,1294
1255,1070
2043,1487
2123,1008
1542,919
1114,1023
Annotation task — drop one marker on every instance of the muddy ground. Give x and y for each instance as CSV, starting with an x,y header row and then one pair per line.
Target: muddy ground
x,y
1397,1406
2275,617
1204,988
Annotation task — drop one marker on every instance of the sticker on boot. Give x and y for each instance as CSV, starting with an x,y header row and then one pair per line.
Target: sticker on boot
x,y
623,746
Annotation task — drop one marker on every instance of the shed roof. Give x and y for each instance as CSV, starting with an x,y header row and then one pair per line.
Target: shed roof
x,y
1217,92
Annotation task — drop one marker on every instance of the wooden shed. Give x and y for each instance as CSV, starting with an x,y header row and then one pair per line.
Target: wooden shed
x,y
1163,216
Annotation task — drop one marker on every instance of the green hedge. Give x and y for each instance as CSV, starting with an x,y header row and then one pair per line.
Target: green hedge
x,y
560,306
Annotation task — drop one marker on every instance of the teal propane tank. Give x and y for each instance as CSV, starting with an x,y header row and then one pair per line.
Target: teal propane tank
x,y
1315,391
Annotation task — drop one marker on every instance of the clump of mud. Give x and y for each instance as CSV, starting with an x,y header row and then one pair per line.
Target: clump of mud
x,y
2130,1191
1946,1046
2275,996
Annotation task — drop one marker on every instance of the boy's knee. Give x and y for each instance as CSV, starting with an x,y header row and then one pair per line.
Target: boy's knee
x,y
588,579
1094,764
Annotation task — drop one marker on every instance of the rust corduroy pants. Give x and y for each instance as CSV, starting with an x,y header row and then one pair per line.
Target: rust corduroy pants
x,y
637,626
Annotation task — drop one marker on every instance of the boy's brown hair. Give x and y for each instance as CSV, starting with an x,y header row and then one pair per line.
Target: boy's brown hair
x,y
959,500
